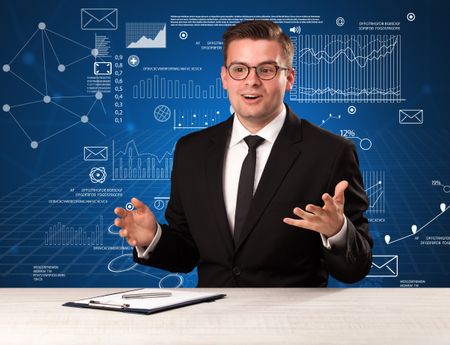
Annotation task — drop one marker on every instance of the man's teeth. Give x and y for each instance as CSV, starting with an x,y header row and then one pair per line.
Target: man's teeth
x,y
250,96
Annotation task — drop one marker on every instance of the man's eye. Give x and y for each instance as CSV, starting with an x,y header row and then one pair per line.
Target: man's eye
x,y
266,70
238,69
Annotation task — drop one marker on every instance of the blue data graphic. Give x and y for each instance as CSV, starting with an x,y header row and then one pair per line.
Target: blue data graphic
x,y
96,94
349,68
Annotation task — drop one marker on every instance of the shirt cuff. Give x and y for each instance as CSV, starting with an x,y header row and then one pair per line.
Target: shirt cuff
x,y
144,252
338,239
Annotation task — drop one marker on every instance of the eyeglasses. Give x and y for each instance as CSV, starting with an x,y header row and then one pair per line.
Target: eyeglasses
x,y
265,71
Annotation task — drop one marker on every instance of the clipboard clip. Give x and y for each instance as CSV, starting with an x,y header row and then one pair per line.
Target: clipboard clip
x,y
108,305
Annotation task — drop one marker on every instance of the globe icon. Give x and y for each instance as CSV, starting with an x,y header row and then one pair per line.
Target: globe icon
x,y
162,113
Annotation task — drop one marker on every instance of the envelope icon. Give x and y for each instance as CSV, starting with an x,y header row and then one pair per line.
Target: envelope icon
x,y
99,18
410,116
95,153
384,266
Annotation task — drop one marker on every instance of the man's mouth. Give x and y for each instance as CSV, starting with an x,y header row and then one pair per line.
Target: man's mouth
x,y
250,96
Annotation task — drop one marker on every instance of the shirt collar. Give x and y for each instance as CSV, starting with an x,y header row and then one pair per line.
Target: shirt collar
x,y
268,132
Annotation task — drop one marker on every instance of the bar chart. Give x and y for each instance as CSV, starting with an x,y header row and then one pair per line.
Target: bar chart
x,y
60,234
159,87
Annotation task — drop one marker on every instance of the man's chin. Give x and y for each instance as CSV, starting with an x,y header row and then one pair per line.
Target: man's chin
x,y
251,112
256,118
253,116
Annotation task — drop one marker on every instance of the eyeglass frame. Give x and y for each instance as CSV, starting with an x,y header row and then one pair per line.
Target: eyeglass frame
x,y
278,68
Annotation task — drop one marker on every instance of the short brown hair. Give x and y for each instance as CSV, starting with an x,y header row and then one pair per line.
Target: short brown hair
x,y
259,30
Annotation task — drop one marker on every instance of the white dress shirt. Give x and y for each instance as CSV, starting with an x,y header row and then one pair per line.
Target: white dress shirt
x,y
235,154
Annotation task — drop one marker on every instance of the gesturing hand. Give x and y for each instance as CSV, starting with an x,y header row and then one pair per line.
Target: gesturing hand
x,y
327,220
137,226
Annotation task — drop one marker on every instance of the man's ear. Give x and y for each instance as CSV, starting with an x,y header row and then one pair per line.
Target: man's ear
x,y
290,77
224,77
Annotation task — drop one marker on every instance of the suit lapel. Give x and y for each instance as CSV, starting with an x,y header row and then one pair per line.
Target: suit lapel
x,y
285,152
214,174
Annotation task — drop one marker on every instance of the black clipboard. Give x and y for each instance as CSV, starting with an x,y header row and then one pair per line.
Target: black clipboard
x,y
178,299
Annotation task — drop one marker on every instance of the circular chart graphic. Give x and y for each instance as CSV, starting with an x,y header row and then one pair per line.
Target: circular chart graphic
x,y
172,280
122,263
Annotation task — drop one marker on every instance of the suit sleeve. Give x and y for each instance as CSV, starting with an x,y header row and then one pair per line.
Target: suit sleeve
x,y
176,250
352,261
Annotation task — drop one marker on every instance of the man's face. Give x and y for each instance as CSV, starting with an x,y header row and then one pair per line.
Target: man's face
x,y
257,101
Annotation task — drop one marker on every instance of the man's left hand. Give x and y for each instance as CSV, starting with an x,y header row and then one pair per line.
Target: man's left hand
x,y
327,220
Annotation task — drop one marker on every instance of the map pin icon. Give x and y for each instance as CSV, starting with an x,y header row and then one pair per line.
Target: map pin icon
x,y
387,239
414,228
442,206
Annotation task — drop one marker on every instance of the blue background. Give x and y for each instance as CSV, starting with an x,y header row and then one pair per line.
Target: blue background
x,y
412,161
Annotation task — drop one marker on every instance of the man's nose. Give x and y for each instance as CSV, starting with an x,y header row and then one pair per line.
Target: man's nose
x,y
252,78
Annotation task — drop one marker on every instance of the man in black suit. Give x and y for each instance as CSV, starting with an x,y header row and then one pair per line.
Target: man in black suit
x,y
264,198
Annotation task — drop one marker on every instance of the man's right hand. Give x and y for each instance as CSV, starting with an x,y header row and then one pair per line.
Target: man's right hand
x,y
138,226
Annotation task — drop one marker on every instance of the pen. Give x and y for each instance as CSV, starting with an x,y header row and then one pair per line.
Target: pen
x,y
123,306
147,295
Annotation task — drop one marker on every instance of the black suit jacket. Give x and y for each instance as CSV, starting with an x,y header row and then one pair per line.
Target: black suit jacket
x,y
305,162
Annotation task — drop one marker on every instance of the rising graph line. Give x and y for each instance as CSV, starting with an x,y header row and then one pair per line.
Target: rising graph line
x,y
373,193
414,229
330,116
376,190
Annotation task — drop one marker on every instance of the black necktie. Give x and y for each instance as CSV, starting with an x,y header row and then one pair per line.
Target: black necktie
x,y
246,184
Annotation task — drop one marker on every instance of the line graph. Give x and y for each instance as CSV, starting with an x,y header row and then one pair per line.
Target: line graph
x,y
414,229
146,35
130,164
347,68
375,190
330,116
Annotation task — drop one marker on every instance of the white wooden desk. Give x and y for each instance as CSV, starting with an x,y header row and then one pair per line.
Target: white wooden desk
x,y
245,316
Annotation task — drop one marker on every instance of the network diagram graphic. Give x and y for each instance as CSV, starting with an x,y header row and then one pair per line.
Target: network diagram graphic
x,y
124,263
48,48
